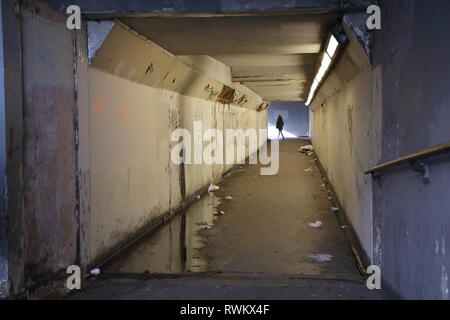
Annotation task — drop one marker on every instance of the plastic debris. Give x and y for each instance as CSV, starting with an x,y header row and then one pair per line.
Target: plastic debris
x,y
228,198
198,197
208,228
344,227
321,257
309,170
213,188
334,210
95,272
306,149
317,224
310,153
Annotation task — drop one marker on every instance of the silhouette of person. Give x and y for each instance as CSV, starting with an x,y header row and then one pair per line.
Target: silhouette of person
x,y
280,125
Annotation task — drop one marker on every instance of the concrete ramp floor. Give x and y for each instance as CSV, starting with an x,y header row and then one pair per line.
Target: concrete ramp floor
x,y
266,225
260,247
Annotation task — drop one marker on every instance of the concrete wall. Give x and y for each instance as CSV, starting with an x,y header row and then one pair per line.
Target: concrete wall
x,y
87,150
404,95
4,277
295,116
13,95
135,100
49,171
345,123
411,219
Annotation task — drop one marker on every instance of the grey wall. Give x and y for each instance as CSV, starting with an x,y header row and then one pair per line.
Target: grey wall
x,y
403,224
3,241
14,142
295,116
412,219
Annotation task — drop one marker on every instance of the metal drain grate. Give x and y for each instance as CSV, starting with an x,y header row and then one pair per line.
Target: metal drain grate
x,y
231,276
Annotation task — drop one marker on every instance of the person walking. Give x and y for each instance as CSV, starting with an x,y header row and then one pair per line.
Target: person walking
x,y
280,125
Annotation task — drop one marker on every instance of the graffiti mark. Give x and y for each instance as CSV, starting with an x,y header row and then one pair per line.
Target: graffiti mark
x,y
122,115
149,69
98,105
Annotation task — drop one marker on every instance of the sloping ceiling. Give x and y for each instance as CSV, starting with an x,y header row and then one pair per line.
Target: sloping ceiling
x,y
275,56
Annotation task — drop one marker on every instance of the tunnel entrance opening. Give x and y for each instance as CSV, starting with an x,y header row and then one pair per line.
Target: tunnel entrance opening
x,y
254,224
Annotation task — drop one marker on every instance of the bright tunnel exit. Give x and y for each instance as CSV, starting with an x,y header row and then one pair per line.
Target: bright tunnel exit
x,y
295,117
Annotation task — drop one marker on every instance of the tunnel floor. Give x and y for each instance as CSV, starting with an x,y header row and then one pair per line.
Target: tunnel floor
x,y
266,228
252,246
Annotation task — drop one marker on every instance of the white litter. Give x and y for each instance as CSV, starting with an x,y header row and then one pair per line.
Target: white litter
x,y
95,272
323,186
213,188
334,210
321,257
306,149
198,197
309,170
317,224
208,228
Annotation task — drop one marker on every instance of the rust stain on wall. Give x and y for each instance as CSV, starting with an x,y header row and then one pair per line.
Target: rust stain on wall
x,y
226,96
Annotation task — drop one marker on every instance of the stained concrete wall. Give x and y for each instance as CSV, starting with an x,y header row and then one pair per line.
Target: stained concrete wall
x,y
411,219
49,171
136,98
345,121
295,116
404,96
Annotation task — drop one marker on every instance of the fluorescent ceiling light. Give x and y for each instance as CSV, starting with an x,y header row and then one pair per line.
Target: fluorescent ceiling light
x,y
327,59
332,46
321,73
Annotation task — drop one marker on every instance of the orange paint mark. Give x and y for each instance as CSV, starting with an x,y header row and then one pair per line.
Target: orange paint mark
x,y
98,105
122,112
122,115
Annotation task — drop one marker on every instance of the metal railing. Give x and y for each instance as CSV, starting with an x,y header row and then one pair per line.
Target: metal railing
x,y
412,158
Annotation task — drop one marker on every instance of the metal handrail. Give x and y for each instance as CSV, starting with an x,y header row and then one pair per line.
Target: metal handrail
x,y
412,157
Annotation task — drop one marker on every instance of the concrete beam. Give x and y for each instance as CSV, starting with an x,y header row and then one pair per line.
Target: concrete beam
x,y
97,33
356,22
129,55
115,8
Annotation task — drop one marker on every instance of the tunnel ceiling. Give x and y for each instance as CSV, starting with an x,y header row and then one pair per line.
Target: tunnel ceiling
x,y
275,56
